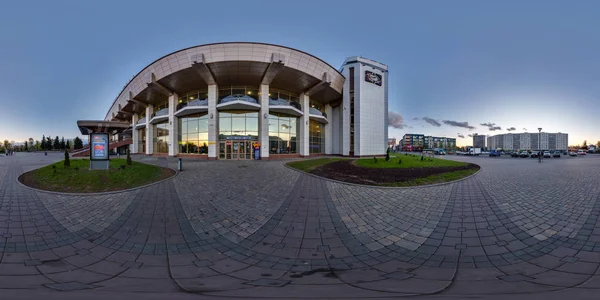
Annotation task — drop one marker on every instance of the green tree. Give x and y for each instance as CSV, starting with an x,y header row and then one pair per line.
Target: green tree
x,y
26,147
56,145
67,162
77,143
63,146
38,145
48,143
68,145
43,143
128,157
6,144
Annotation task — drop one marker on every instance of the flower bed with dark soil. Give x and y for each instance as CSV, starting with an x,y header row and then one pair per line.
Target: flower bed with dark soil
x,y
348,171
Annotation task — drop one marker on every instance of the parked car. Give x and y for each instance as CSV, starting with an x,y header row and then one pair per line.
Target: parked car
x,y
494,153
524,154
534,154
514,154
547,154
556,154
571,153
581,152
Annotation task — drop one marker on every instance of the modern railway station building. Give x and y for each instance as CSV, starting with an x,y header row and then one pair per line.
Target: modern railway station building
x,y
226,100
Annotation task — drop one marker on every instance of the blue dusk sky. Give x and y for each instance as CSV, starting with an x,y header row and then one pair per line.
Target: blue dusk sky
x,y
452,64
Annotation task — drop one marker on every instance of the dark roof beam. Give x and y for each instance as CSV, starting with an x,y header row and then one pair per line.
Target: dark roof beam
x,y
153,83
276,65
325,82
199,64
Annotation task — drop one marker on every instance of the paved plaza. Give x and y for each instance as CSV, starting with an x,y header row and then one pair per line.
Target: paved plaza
x,y
518,229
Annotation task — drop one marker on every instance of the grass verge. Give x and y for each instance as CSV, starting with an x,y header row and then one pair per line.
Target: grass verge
x,y
438,178
408,161
78,178
311,164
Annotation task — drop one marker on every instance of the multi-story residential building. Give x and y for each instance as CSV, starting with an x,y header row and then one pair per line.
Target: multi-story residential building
x,y
413,141
439,142
478,141
529,141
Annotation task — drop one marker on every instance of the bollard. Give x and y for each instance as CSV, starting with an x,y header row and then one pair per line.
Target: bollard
x,y
179,164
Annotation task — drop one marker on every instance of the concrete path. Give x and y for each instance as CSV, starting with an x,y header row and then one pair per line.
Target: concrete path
x,y
256,229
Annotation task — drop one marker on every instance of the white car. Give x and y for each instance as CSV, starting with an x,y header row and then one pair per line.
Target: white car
x,y
581,152
571,153
547,154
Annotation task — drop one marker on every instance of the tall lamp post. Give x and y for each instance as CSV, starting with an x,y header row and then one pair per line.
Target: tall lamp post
x,y
539,146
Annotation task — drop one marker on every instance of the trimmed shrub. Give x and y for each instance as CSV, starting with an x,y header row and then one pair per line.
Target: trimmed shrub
x,y
67,162
128,158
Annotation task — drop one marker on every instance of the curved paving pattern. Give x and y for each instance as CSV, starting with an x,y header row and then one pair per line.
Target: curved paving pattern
x,y
259,229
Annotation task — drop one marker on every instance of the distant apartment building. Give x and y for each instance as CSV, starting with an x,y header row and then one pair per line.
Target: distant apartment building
x,y
419,141
479,141
439,142
529,141
413,142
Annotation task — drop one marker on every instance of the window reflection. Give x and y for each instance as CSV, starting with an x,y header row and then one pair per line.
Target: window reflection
x,y
161,138
193,138
238,123
316,137
282,133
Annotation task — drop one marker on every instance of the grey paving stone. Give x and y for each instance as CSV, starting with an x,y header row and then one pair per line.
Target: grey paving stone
x,y
203,263
70,286
398,275
132,264
323,248
32,262
269,282
515,278
569,259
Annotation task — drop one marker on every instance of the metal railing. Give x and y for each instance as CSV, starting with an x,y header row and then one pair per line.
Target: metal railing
x,y
314,111
284,102
238,97
162,112
196,102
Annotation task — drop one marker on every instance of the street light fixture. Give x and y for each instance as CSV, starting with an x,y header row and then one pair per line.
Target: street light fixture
x,y
539,146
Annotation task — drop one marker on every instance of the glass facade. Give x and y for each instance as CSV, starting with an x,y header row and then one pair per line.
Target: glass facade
x,y
316,137
283,130
142,140
193,134
238,91
161,106
238,123
161,138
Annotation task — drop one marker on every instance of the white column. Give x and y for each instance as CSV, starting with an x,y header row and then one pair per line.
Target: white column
x,y
135,139
149,130
304,128
329,130
173,126
213,116
263,121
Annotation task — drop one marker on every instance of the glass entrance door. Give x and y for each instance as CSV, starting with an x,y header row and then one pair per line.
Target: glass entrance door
x,y
235,149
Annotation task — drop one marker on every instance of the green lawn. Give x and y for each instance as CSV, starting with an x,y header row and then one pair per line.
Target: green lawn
x,y
408,161
311,164
79,179
439,178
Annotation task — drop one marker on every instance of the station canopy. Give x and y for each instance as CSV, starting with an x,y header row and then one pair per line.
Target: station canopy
x,y
87,127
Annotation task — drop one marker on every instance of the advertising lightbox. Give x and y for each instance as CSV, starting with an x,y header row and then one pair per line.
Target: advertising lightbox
x,y
99,146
